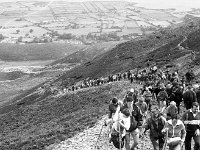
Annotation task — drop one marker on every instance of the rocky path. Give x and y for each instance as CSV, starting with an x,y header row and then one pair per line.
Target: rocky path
x,y
87,140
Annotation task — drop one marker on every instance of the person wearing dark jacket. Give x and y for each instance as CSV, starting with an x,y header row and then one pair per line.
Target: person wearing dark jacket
x,y
112,107
136,122
176,96
193,130
155,124
198,95
189,97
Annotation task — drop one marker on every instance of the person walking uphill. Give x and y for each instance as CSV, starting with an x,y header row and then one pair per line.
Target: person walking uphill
x,y
136,122
189,97
155,124
176,133
113,107
193,130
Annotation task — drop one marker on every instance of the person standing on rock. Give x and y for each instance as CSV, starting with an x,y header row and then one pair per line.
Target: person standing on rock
x,y
136,122
155,124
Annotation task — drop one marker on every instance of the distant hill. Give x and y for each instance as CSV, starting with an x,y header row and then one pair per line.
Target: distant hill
x,y
27,52
87,53
159,48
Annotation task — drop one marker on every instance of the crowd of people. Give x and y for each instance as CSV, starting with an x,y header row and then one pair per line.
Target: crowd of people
x,y
155,107
148,76
167,105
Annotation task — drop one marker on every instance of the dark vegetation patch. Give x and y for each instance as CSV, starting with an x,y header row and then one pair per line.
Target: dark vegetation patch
x,y
87,53
11,75
192,41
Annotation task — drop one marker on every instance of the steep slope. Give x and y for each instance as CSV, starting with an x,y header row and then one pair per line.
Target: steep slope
x,y
87,53
52,120
161,47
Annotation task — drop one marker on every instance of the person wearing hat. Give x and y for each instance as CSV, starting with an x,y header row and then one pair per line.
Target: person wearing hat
x,y
136,122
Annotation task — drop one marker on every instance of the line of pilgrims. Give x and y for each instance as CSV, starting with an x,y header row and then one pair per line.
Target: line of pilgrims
x,y
168,109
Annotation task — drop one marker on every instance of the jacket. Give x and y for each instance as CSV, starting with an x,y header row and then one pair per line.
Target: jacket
x,y
155,129
136,113
189,97
176,131
188,115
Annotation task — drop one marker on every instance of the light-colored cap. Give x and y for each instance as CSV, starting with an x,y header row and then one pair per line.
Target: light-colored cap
x,y
131,90
173,103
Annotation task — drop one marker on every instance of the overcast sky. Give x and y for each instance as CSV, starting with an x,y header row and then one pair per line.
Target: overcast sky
x,y
154,4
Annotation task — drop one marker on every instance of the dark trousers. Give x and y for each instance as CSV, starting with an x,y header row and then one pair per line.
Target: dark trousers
x,y
157,143
188,138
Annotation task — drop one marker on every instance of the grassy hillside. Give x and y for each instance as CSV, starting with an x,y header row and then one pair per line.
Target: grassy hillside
x,y
48,51
11,75
158,48
87,53
51,120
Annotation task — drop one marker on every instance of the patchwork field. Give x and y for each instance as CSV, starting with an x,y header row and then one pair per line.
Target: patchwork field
x,y
82,18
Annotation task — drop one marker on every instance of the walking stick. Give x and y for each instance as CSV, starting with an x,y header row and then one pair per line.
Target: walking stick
x,y
120,136
165,144
98,137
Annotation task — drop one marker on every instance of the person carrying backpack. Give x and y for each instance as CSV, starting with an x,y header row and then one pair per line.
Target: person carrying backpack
x,y
136,122
120,124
